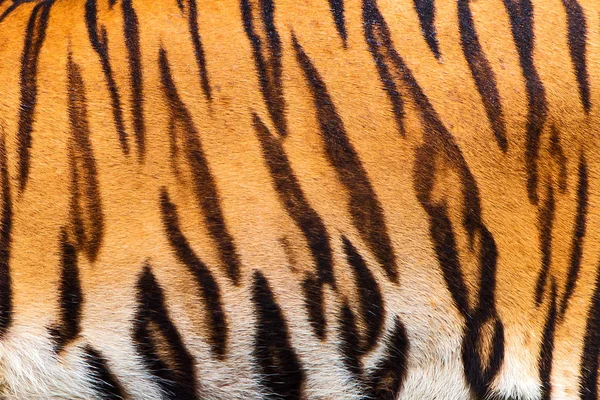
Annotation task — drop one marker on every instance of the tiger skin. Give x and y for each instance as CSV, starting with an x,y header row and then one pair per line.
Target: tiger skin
x,y
279,199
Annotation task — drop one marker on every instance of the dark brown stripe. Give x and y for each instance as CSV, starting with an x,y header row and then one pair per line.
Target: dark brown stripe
x,y
426,11
34,39
102,380
259,23
577,37
280,368
99,41
349,342
5,241
482,73
70,296
387,378
337,11
547,347
86,207
208,286
521,18
372,307
590,361
198,48
546,223
204,185
132,42
367,214
160,344
312,289
578,235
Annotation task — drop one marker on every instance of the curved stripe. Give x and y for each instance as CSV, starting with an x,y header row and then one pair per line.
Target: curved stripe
x,y
426,11
102,380
577,27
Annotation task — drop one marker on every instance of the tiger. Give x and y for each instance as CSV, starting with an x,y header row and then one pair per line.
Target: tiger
x,y
299,199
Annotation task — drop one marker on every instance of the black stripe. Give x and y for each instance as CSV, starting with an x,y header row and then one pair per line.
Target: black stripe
x,y
546,222
521,18
578,235
281,370
34,39
547,347
204,185
367,214
99,41
132,42
337,11
387,378
426,12
259,24
102,380
372,307
159,342
70,295
482,73
86,207
5,242
312,289
590,361
349,342
208,286
577,36
198,48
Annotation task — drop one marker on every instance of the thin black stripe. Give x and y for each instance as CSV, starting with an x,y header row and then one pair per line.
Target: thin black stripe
x,y
259,23
204,185
207,285
546,222
366,211
102,380
70,295
547,347
86,206
34,39
482,73
132,42
426,12
337,11
198,48
372,307
349,342
387,378
577,36
521,18
159,342
590,361
99,41
312,289
281,370
578,235
5,241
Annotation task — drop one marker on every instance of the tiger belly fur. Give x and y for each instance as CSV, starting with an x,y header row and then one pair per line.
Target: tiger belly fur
x,y
299,199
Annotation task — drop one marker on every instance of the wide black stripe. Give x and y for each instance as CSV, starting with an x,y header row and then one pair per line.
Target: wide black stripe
x,y
70,296
34,39
482,73
590,357
372,309
546,223
132,42
99,41
281,369
521,18
426,11
366,211
86,207
386,380
547,347
6,308
259,23
198,48
159,342
337,11
578,235
208,286
577,36
102,380
204,185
